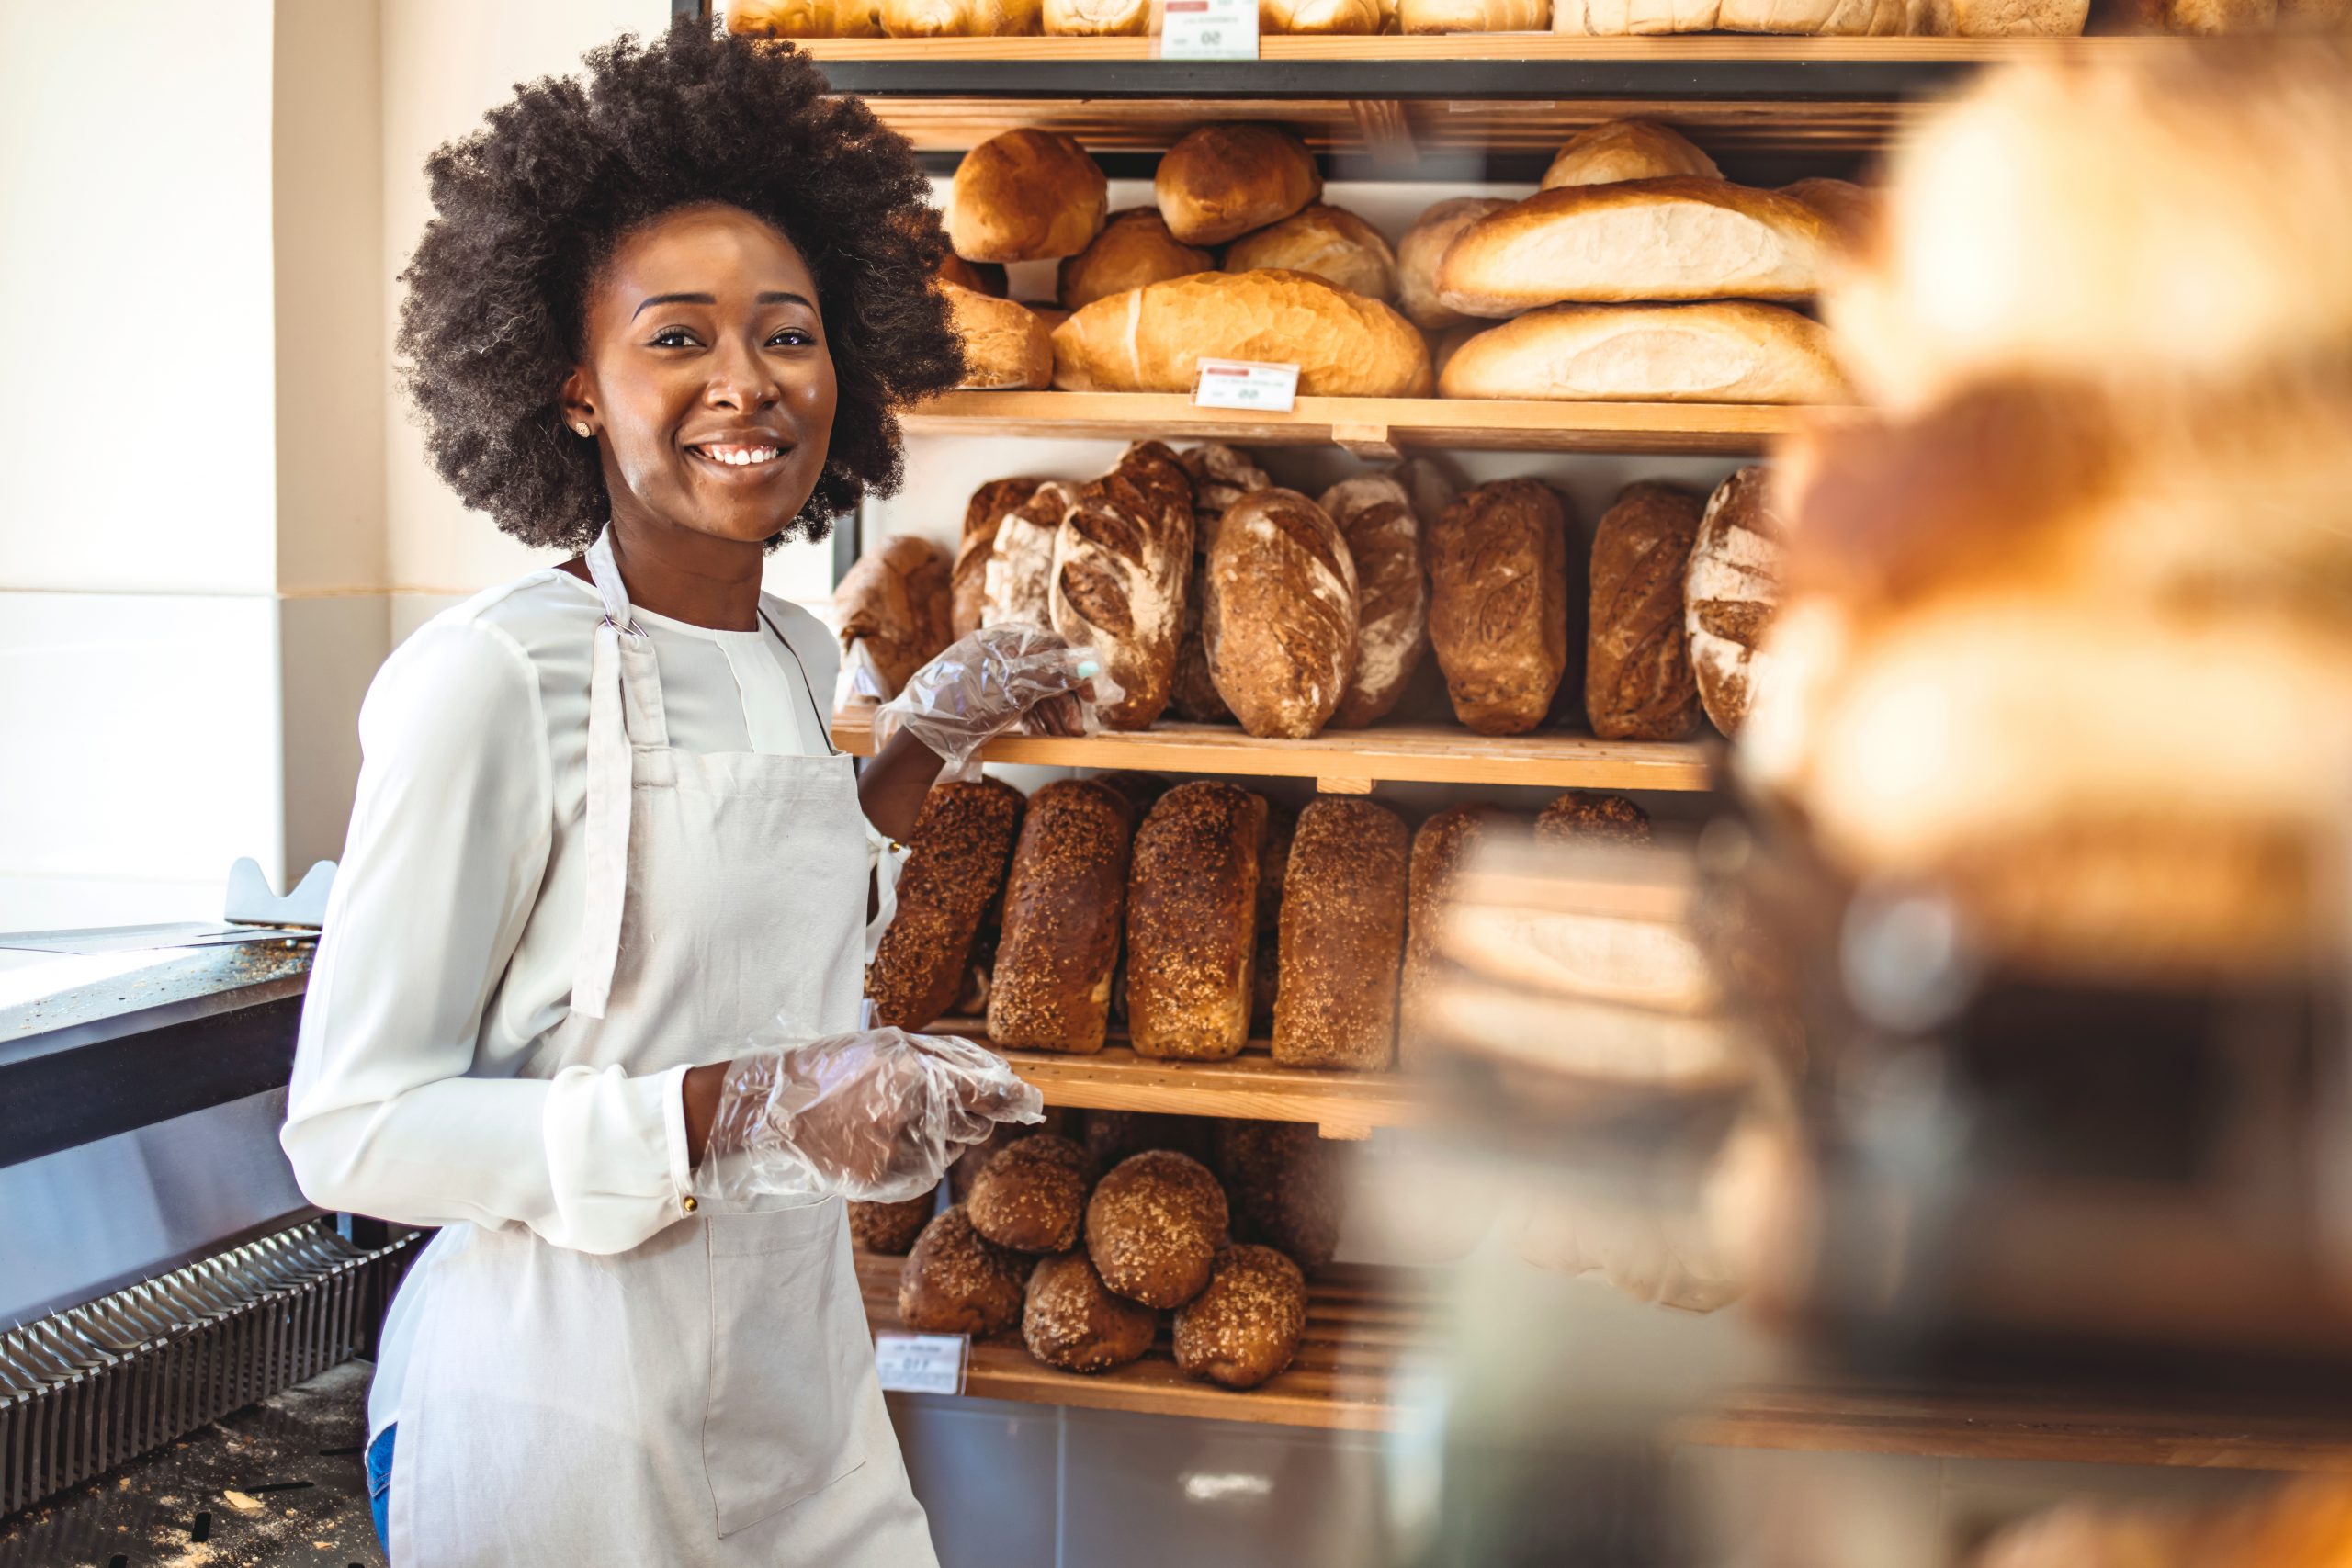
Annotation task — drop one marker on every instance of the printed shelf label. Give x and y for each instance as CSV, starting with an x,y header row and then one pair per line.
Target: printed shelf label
x,y
1209,29
1242,384
922,1363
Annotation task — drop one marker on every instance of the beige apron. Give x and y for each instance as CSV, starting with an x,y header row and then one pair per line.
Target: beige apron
x,y
707,1397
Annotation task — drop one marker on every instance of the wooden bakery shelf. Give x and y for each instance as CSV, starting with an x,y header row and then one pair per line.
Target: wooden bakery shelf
x,y
1375,427
1347,1376
1350,761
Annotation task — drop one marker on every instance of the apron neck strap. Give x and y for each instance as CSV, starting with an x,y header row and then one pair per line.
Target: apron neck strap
x,y
606,572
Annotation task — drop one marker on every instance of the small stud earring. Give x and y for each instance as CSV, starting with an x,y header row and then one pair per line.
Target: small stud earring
x,y
581,428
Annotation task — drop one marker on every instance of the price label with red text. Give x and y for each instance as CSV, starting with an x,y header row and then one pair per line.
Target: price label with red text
x,y
1208,29
921,1363
1244,384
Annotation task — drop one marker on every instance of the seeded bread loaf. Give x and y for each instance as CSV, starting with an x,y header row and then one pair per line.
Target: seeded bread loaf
x,y
1220,476
889,1228
1325,242
956,865
1032,1196
1153,339
984,515
1246,1326
1499,598
1417,254
1065,901
1286,1186
1439,847
1279,619
1134,248
1153,1227
1589,817
1121,565
1342,936
959,1281
1730,594
1072,1321
1621,150
1191,922
1638,683
1017,586
1375,517
896,603
1026,195
1223,180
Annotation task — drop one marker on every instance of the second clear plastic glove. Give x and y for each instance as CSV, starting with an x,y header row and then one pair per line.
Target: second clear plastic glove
x,y
988,682
876,1116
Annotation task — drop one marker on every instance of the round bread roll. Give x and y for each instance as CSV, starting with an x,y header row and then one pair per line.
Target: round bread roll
x,y
1247,1324
1026,195
1098,18
958,19
1621,150
1325,242
959,1281
1006,346
1222,181
1418,252
1153,1227
1074,1322
1134,248
1474,16
1320,16
889,1228
1032,1196
806,18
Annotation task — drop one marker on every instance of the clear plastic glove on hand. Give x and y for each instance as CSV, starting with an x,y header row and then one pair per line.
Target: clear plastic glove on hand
x,y
986,684
876,1116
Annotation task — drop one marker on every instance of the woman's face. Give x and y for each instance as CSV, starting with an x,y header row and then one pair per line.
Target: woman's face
x,y
706,383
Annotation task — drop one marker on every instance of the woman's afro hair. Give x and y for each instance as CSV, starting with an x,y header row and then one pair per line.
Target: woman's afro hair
x,y
530,208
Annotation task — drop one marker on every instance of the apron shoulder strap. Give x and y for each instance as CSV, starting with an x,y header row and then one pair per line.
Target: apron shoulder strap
x,y
807,687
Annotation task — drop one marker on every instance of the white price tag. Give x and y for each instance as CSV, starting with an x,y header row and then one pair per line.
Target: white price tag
x,y
1208,29
921,1363
1243,384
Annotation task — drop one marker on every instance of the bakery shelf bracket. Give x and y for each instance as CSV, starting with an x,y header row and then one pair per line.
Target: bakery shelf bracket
x,y
1369,442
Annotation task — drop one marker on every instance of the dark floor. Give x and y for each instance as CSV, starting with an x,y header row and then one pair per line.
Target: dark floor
x,y
292,1460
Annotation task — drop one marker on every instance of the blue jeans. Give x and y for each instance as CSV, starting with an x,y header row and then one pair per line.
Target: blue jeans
x,y
379,1482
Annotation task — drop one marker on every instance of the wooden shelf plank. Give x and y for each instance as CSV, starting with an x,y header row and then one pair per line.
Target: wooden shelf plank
x,y
1347,1377
1505,50
1462,423
1428,753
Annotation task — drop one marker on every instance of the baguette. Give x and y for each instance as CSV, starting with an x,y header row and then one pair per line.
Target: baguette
x,y
1064,900
1384,539
1121,565
1724,352
956,865
1191,922
1152,339
1279,621
1342,937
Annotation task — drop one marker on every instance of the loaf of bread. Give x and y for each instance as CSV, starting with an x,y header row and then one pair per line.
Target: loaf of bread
x,y
1637,683
959,1281
1220,476
1134,248
1327,17
1221,180
806,18
1375,518
984,515
889,1228
1074,1322
959,18
1026,195
980,277
1247,1324
1417,254
1814,18
896,600
1592,816
1342,936
1191,922
1153,339
1325,242
1032,1196
2202,17
1153,1227
1065,901
1273,867
1098,18
1017,585
1006,346
1617,19
1730,594
1121,562
1499,601
1279,618
1472,15
1441,845
1849,208
1620,150
1685,237
1286,1186
1728,351
1113,1137
2010,19
954,871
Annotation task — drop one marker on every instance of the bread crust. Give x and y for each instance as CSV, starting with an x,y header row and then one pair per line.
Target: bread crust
x,y
1499,603
1065,901
1134,248
1152,339
1121,562
1153,1227
1342,936
1419,252
1007,347
1730,351
1638,680
1032,1196
959,18
1325,242
956,860
1017,585
1279,621
1375,516
957,1282
1191,922
1441,845
984,515
1730,592
1074,1322
1246,1326
1220,476
897,601
1621,150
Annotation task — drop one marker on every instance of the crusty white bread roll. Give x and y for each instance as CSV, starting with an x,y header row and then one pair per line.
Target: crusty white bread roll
x,y
1618,19
806,18
1098,18
1222,181
1417,254
1005,346
1134,248
1727,351
1472,15
1152,339
1681,238
959,18
1026,195
1620,150
1325,242
1325,17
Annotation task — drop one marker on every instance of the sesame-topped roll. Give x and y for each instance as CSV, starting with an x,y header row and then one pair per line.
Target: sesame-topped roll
x,y
1247,1324
1153,1227
1032,1196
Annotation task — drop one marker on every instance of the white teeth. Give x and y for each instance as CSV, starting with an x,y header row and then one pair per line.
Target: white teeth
x,y
741,457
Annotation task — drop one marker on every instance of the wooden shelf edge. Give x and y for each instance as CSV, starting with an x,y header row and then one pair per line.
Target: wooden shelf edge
x,y
1501,49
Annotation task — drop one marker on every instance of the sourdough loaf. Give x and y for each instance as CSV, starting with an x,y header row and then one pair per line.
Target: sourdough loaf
x,y
1018,584
1637,683
1121,562
1417,254
1026,195
954,871
1153,1227
1620,150
1192,922
1134,248
1342,936
1221,180
1152,339
1441,845
1325,242
1731,590
1728,351
984,515
1247,1324
959,1281
1499,599
1006,346
1384,538
1074,1322
1279,620
1064,900
1220,476
895,607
